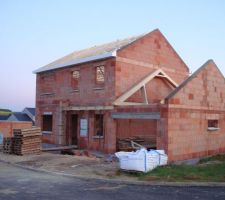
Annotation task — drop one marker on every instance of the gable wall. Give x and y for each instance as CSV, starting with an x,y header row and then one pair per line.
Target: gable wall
x,y
144,56
201,99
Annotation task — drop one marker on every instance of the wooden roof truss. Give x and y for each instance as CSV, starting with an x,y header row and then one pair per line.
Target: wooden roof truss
x,y
142,86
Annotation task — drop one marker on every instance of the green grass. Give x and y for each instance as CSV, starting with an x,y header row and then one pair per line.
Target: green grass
x,y
4,113
209,169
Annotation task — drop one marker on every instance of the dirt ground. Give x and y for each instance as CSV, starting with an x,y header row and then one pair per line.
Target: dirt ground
x,y
69,164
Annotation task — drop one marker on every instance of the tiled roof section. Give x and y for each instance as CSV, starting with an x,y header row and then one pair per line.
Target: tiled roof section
x,y
190,78
4,117
93,53
21,116
31,110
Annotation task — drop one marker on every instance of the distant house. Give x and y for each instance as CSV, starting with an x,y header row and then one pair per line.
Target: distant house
x,y
27,115
19,116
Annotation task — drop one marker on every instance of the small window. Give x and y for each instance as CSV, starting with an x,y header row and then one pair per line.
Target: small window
x,y
99,125
213,125
75,79
47,123
100,74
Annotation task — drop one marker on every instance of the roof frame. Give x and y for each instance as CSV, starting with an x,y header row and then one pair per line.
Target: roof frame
x,y
159,73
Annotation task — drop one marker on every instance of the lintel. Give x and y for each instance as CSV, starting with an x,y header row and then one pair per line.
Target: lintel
x,y
135,115
71,108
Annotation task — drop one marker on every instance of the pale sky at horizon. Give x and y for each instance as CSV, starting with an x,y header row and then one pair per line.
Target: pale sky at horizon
x,y
34,33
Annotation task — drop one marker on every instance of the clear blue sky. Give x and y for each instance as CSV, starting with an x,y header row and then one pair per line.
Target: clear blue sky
x,y
34,33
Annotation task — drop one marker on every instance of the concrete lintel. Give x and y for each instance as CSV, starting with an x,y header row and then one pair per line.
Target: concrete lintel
x,y
134,115
71,108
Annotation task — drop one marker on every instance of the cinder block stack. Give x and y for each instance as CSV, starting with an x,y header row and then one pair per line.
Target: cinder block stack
x,y
8,145
27,141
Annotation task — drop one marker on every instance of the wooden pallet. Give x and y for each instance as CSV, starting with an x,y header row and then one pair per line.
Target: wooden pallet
x,y
8,145
27,141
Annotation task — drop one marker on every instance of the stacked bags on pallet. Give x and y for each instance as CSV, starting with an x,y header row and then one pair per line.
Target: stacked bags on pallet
x,y
141,160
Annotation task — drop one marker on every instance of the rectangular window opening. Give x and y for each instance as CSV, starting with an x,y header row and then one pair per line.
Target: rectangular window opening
x,y
100,74
47,123
213,125
99,125
75,79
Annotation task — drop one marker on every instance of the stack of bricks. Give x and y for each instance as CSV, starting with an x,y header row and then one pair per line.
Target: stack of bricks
x,y
27,141
8,145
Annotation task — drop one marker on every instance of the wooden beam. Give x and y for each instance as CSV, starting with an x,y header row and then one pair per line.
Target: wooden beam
x,y
171,81
145,94
135,88
134,115
60,148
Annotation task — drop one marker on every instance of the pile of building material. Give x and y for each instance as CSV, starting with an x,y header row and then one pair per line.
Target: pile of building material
x,y
8,145
125,144
27,141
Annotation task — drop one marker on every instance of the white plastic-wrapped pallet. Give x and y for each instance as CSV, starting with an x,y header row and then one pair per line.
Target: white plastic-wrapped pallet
x,y
163,157
159,157
152,160
133,161
141,160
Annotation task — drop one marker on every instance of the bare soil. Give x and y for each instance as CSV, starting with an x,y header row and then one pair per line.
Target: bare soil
x,y
70,164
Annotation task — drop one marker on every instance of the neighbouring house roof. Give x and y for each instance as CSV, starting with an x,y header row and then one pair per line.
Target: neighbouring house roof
x,y
190,78
19,116
4,117
31,110
94,53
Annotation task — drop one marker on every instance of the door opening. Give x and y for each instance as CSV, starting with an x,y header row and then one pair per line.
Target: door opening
x,y
73,130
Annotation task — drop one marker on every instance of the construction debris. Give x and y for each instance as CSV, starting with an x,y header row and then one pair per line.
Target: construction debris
x,y
137,142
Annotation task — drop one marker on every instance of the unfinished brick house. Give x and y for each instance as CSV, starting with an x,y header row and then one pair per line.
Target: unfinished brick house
x,y
138,86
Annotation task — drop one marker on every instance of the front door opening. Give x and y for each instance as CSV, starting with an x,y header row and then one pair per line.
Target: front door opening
x,y
73,130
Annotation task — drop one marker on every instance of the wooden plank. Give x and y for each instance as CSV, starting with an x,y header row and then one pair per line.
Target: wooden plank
x,y
134,115
60,148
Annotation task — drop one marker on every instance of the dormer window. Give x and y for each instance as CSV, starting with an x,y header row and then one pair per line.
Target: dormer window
x,y
100,74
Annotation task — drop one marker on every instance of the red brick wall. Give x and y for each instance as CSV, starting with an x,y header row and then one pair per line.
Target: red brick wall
x,y
6,127
136,127
107,143
56,86
145,56
60,88
201,99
